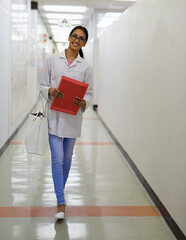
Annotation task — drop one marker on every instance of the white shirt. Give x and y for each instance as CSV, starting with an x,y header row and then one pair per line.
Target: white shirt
x,y
64,124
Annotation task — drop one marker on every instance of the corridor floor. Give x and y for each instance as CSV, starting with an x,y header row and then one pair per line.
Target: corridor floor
x,y
105,200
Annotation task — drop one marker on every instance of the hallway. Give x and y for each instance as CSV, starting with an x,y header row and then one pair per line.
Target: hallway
x,y
136,51
105,201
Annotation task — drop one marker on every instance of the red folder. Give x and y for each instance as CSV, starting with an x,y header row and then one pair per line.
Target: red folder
x,y
71,88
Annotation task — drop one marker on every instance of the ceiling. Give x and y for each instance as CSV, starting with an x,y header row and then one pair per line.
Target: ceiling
x,y
91,5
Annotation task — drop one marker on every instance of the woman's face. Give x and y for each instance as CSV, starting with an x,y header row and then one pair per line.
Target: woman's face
x,y
74,43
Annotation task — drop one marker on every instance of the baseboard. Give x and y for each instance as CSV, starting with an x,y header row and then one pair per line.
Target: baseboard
x,y
162,209
4,147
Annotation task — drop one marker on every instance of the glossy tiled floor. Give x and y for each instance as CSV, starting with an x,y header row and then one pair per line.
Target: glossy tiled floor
x,y
105,201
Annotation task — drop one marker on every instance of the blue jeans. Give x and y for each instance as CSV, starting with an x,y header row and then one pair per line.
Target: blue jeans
x,y
61,155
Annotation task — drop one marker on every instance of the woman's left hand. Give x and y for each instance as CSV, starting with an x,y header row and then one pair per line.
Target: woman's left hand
x,y
79,102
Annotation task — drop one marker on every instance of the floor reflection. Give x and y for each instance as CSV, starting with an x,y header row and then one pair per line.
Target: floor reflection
x,y
61,228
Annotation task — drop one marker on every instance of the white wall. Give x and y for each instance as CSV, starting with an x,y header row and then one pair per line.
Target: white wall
x,y
5,63
22,57
142,94
89,52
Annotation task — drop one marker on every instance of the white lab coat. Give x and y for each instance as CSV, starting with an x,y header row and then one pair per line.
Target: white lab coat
x,y
64,124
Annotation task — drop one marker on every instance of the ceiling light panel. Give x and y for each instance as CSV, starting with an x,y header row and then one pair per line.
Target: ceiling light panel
x,y
61,30
19,20
109,19
53,21
19,14
62,16
19,7
59,8
103,24
56,22
112,14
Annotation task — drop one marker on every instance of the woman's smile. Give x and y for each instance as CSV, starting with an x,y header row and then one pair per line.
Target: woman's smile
x,y
75,44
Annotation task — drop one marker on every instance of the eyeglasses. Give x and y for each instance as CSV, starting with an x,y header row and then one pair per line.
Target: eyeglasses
x,y
81,39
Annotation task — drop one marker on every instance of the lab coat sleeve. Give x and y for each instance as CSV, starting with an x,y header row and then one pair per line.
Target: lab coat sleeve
x,y
89,93
45,82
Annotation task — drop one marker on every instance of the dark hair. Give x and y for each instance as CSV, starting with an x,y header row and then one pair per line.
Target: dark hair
x,y
86,37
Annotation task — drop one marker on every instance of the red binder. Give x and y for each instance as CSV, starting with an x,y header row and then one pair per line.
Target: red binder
x,y
71,89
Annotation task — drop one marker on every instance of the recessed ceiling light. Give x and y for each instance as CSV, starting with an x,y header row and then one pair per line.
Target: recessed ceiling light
x,y
112,14
19,20
73,22
108,19
103,24
56,21
20,25
20,7
59,8
62,16
53,21
19,14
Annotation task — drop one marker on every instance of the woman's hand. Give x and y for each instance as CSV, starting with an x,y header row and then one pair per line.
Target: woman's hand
x,y
55,93
79,102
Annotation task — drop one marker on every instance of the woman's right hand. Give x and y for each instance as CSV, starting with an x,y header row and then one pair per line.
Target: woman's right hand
x,y
55,93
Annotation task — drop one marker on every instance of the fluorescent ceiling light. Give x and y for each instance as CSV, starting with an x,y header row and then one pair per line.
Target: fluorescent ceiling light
x,y
59,8
103,24
20,26
63,16
19,14
52,21
19,20
108,19
20,7
57,28
74,22
60,31
112,14
56,21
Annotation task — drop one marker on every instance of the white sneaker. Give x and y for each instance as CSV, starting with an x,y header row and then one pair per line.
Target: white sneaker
x,y
60,215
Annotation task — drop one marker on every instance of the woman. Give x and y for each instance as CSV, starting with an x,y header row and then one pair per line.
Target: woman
x,y
65,128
